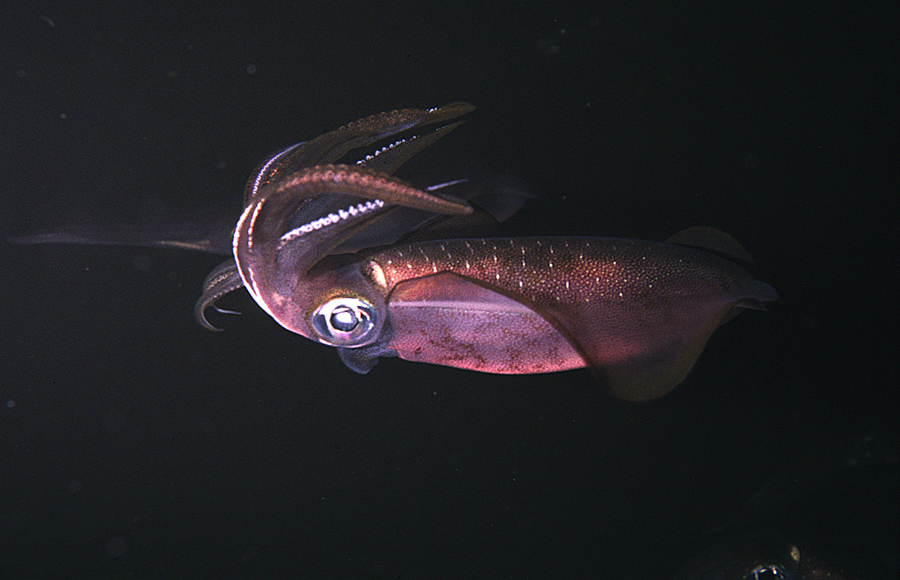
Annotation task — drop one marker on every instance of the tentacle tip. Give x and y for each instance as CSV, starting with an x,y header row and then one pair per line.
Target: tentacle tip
x,y
201,319
200,316
208,326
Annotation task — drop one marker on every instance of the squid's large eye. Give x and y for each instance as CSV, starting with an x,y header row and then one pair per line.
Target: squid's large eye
x,y
344,321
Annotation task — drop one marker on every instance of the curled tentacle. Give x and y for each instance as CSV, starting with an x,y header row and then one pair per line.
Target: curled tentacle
x,y
223,279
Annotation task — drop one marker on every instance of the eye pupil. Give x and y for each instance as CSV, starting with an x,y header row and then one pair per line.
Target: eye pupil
x,y
344,318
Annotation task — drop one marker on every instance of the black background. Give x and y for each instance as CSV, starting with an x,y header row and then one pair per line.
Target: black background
x,y
134,444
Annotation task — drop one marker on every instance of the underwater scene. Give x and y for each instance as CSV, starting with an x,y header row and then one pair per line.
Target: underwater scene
x,y
334,291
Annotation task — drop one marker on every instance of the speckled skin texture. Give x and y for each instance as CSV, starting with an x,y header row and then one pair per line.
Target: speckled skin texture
x,y
638,312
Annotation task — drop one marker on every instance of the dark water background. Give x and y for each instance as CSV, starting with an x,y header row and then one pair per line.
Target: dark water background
x,y
134,444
